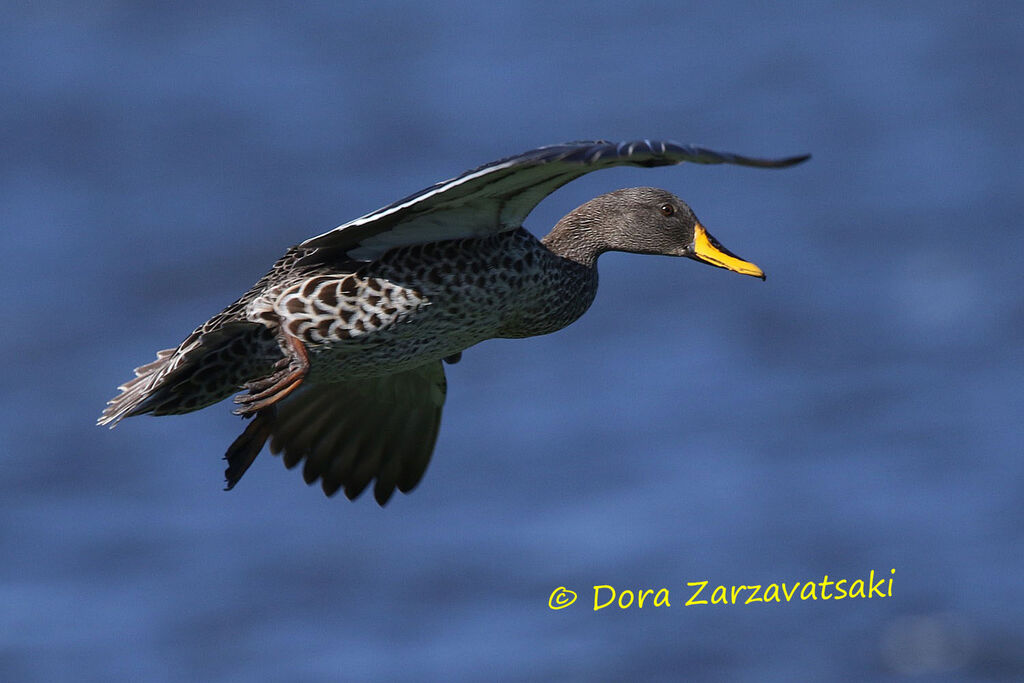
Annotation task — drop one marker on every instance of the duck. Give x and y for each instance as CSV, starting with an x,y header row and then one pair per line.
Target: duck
x,y
337,354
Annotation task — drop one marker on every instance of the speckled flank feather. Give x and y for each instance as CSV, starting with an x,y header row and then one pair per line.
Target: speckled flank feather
x,y
339,347
425,302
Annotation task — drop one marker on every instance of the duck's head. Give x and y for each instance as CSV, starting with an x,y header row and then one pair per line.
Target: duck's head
x,y
641,220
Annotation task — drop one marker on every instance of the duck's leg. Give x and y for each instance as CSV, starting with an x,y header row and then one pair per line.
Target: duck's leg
x,y
243,450
264,393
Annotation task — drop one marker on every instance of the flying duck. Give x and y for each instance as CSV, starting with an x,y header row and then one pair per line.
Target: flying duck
x,y
339,349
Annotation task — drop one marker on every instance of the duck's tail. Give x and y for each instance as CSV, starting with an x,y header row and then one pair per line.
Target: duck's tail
x,y
206,368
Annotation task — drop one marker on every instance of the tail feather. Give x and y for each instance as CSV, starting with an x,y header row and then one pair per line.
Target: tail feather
x,y
206,368
135,390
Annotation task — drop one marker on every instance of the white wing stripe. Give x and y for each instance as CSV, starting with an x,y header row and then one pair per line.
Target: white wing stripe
x,y
417,198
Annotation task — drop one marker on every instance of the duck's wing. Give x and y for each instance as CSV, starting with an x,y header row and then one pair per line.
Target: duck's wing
x,y
350,433
499,195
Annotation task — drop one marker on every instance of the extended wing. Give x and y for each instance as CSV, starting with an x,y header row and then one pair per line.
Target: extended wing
x,y
349,433
499,195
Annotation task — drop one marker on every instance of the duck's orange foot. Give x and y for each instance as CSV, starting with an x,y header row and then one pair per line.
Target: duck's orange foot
x,y
265,392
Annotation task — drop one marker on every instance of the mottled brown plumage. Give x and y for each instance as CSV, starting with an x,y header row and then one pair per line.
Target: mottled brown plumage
x,y
339,347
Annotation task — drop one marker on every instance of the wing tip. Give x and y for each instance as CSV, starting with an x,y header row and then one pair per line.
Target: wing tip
x,y
792,161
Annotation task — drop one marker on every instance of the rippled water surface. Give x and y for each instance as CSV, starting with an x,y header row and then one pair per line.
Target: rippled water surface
x,y
858,411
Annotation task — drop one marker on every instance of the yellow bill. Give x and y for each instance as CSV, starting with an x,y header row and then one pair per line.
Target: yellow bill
x,y
707,249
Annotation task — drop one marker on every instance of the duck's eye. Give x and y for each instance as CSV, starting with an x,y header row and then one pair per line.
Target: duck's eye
x,y
667,209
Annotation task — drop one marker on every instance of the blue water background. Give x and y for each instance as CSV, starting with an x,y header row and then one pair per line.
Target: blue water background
x,y
860,410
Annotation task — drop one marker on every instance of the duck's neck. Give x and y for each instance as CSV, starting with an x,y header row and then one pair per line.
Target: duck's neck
x,y
573,238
